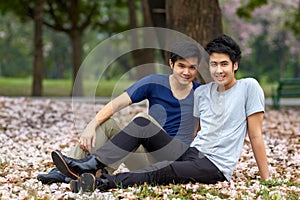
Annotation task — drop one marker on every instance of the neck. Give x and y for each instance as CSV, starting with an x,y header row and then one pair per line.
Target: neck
x,y
176,85
180,91
222,88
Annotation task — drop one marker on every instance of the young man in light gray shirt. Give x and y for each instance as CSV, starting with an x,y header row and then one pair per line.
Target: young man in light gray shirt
x,y
227,109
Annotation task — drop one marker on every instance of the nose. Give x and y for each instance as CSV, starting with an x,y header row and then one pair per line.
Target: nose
x,y
186,71
219,69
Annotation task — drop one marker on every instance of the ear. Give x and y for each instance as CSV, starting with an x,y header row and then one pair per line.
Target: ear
x,y
235,66
171,63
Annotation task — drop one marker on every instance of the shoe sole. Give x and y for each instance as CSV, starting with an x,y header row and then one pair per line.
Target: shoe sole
x,y
87,182
62,165
74,186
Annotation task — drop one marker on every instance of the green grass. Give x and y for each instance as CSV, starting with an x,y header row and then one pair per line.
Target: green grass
x,y
62,88
17,87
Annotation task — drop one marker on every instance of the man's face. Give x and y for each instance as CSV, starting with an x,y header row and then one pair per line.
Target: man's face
x,y
222,70
185,70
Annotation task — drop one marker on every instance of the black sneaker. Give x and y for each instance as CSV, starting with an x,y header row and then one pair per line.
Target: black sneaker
x,y
88,183
54,176
74,185
73,168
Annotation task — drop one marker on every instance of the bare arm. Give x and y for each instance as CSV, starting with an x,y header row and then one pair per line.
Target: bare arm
x,y
257,143
112,107
88,137
198,128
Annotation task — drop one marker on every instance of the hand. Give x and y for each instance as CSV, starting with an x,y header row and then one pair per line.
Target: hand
x,y
88,138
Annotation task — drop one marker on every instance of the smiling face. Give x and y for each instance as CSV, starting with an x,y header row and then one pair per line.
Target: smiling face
x,y
184,70
222,70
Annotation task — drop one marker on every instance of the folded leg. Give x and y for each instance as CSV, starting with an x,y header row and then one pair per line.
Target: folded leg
x,y
191,167
141,131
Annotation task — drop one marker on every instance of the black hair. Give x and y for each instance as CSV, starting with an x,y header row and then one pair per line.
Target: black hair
x,y
225,44
183,50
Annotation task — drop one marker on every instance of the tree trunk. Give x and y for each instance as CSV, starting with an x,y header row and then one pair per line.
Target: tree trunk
x,y
146,55
38,49
141,55
158,15
76,37
199,19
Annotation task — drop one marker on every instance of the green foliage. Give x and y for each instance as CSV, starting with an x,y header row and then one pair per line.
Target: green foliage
x,y
270,62
16,44
14,6
246,10
57,55
275,182
15,47
294,24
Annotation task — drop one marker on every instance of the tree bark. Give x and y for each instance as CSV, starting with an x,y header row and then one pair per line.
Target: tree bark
x,y
76,38
145,56
140,54
199,19
38,49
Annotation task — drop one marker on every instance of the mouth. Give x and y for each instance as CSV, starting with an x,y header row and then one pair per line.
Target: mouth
x,y
219,77
186,78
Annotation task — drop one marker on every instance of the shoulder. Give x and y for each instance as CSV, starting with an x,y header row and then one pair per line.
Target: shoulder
x,y
153,79
251,87
196,85
250,83
204,88
156,77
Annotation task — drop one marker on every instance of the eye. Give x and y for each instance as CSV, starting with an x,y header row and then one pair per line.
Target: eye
x,y
224,64
181,65
213,64
193,67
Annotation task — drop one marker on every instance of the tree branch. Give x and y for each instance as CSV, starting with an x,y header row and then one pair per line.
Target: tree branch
x,y
57,24
89,17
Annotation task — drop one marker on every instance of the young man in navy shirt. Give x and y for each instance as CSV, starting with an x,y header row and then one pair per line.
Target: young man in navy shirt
x,y
170,98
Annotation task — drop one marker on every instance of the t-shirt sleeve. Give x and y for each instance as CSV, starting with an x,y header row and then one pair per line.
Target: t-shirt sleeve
x,y
196,111
255,97
139,91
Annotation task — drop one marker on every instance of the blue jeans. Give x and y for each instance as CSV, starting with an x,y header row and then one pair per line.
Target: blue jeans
x,y
177,162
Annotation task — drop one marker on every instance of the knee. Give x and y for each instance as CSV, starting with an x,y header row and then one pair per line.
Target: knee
x,y
141,121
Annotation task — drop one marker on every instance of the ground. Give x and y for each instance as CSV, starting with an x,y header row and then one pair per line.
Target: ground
x,y
31,129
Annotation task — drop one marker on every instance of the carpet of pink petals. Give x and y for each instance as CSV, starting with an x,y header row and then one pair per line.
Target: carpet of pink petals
x,y
31,129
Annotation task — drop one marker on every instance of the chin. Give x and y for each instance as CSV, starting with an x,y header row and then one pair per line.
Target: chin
x,y
183,81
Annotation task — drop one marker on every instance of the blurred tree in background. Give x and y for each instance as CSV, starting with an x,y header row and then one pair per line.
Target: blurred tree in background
x,y
15,47
268,33
73,18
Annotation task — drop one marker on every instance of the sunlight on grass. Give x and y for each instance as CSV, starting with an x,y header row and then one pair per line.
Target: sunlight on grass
x,y
17,87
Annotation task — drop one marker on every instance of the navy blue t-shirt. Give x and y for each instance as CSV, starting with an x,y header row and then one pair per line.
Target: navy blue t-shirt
x,y
175,116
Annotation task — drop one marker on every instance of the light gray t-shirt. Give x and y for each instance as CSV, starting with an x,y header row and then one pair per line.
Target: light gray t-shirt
x,y
223,119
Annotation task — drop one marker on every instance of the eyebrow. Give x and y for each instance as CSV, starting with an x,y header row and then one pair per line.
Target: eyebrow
x,y
192,65
225,61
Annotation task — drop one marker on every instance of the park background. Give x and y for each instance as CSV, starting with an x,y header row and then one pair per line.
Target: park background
x,y
44,43
41,54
